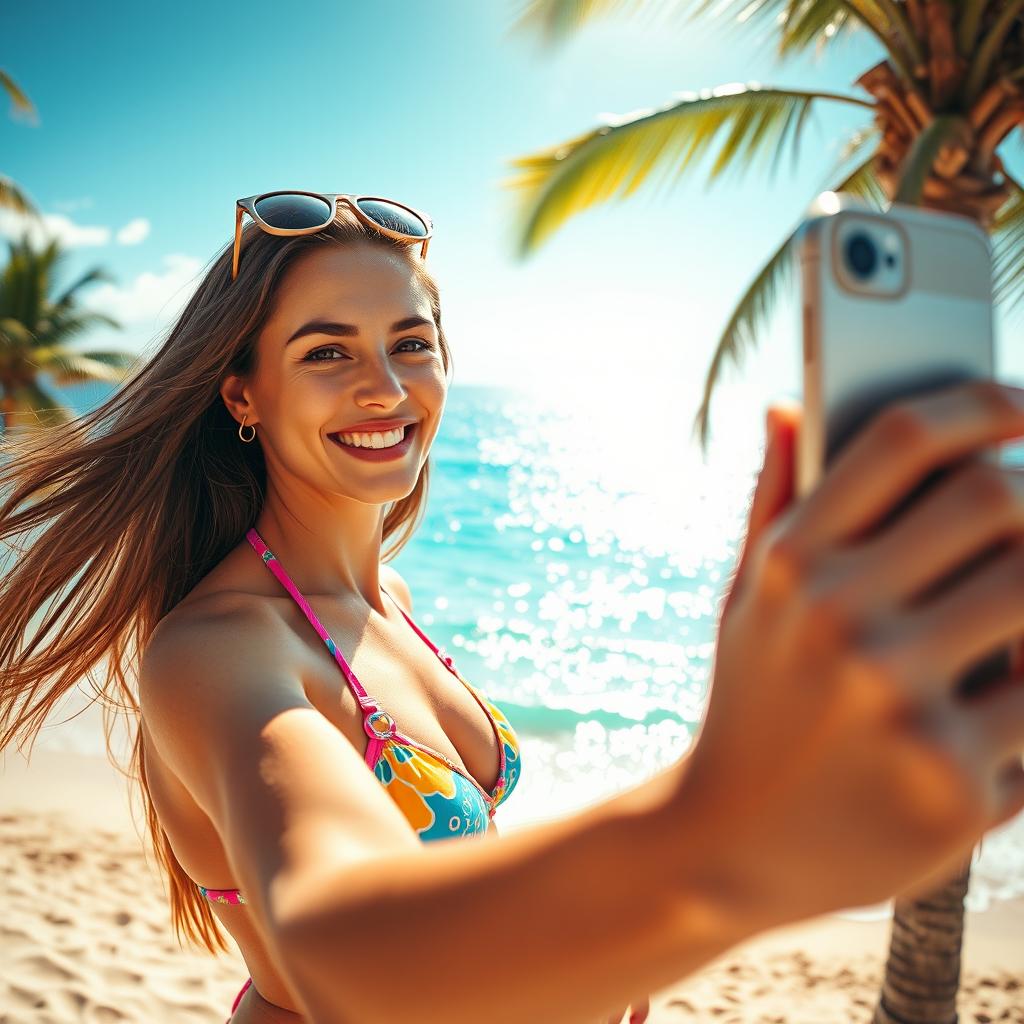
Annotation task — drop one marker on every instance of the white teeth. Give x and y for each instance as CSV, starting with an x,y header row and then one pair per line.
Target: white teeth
x,y
377,439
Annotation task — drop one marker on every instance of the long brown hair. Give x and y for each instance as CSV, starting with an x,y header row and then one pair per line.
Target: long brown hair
x,y
137,501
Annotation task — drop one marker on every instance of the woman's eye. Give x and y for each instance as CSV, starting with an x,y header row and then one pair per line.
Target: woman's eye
x,y
311,357
426,345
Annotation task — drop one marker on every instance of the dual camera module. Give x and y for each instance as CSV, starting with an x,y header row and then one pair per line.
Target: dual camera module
x,y
869,257
862,255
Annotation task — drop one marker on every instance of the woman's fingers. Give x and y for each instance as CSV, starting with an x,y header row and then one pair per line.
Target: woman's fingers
x,y
996,720
774,490
898,449
970,510
956,628
638,1013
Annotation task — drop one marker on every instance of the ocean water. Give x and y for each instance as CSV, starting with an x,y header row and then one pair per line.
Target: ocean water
x,y
573,569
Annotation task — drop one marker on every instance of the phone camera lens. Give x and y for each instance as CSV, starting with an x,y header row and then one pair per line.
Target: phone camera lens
x,y
861,254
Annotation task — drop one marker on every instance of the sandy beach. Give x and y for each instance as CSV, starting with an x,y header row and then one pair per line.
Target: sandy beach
x,y
85,932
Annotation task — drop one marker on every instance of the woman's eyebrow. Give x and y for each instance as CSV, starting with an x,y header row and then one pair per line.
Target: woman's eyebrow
x,y
351,330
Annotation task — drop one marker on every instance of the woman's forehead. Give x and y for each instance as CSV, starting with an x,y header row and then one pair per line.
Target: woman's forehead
x,y
368,286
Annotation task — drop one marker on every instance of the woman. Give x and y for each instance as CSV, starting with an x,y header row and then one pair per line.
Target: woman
x,y
228,520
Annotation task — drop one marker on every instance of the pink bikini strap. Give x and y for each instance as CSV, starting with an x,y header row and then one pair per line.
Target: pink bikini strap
x,y
238,998
374,717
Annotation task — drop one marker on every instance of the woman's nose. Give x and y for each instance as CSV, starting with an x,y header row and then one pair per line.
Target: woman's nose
x,y
379,380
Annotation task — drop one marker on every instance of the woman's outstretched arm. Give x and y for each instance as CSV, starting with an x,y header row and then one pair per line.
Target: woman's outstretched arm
x,y
558,922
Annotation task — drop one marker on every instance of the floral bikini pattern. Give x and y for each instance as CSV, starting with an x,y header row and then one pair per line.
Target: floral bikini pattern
x,y
437,800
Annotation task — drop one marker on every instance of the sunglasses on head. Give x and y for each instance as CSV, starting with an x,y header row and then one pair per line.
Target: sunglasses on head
x,y
288,212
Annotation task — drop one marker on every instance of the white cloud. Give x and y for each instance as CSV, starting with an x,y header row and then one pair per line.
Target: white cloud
x,y
134,231
52,225
150,299
67,232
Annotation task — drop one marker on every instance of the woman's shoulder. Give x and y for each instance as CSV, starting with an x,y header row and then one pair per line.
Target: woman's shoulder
x,y
229,605
220,635
396,586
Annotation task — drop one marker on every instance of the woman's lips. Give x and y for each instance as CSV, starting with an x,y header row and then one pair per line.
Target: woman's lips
x,y
378,454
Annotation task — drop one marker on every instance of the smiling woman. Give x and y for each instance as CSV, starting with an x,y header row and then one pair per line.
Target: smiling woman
x,y
246,360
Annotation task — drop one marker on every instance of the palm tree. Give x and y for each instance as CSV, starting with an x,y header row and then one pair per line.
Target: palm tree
x,y
946,95
11,196
35,330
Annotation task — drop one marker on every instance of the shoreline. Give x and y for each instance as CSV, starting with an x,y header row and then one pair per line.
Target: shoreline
x,y
87,932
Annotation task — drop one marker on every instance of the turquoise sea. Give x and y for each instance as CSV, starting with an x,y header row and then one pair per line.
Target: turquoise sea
x,y
573,568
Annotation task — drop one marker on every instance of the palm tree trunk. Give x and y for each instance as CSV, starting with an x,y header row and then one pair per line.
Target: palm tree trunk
x,y
922,974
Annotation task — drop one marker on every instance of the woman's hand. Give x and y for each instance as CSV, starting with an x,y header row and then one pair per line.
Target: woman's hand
x,y
836,766
774,489
637,1013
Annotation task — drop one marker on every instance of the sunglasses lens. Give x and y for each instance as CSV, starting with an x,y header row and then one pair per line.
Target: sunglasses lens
x,y
390,215
293,211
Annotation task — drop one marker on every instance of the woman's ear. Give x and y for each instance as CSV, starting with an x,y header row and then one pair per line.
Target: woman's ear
x,y
232,393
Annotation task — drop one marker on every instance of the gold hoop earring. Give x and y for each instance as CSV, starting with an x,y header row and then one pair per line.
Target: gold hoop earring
x,y
251,427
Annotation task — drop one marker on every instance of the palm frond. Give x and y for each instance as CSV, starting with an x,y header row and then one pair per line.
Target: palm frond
x,y
1008,251
967,25
788,23
12,197
818,22
925,149
20,103
854,145
808,23
14,335
757,303
33,332
888,20
740,333
94,276
34,407
616,158
741,12
863,182
58,329
67,367
986,53
554,21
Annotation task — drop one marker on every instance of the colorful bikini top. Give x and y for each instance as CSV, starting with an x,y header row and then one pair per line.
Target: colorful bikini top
x,y
438,798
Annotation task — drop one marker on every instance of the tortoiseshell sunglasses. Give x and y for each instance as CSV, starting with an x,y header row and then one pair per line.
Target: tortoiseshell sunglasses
x,y
290,212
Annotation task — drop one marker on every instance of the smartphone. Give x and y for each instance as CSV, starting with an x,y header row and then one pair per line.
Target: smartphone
x,y
893,303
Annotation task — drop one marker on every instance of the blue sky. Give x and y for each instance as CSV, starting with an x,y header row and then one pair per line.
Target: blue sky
x,y
154,118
